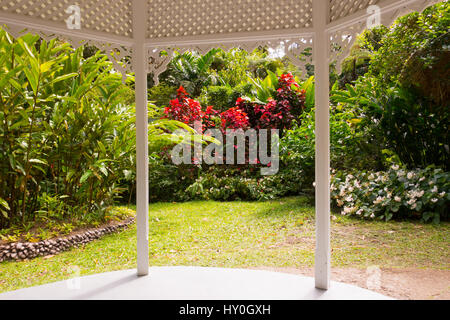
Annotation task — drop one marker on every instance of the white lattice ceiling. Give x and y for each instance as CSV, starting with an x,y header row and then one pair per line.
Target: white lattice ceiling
x,y
199,17
340,8
179,19
108,16
198,24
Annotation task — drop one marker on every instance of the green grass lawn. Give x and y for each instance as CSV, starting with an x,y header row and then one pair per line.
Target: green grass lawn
x,y
277,233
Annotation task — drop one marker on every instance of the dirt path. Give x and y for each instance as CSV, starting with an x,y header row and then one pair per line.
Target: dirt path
x,y
405,284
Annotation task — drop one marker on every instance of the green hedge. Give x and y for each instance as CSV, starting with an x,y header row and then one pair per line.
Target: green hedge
x,y
224,97
245,184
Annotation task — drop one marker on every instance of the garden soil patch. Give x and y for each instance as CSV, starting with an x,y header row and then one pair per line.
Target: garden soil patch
x,y
398,283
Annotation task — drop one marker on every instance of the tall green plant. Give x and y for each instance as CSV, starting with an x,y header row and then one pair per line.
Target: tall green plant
x,y
67,131
191,70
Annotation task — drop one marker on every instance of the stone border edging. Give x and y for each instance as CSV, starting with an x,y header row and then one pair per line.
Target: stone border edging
x,y
28,250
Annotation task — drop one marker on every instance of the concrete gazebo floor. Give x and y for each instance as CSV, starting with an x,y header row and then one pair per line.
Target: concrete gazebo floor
x,y
192,283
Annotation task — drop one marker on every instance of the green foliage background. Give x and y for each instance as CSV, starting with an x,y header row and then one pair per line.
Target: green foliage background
x,y
67,135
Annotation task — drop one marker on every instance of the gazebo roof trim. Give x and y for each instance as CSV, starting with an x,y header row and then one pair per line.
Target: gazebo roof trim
x,y
188,21
199,25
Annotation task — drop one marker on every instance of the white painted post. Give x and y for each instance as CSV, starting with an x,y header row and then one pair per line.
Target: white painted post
x,y
140,67
322,130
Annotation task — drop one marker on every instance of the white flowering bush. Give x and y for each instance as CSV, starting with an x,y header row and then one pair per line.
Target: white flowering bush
x,y
397,192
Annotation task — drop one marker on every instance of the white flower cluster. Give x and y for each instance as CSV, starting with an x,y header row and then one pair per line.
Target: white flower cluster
x,y
415,194
385,193
378,200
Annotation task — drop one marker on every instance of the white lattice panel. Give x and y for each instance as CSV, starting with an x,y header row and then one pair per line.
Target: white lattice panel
x,y
111,16
343,8
184,18
179,20
292,47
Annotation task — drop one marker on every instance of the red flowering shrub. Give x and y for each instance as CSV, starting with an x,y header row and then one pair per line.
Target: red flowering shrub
x,y
280,112
252,110
234,118
275,115
187,110
183,108
287,80
290,90
209,118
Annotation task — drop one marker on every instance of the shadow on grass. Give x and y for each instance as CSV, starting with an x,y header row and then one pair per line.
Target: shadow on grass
x,y
302,206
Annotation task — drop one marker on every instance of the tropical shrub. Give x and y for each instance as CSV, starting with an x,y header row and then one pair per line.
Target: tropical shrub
x,y
277,102
355,65
231,67
224,97
167,181
67,133
219,97
65,129
297,149
259,63
358,62
404,97
162,94
192,71
234,118
415,129
399,120
243,184
188,111
395,193
415,53
352,145
184,109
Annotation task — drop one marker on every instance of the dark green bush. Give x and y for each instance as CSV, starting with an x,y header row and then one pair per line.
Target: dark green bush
x,y
352,145
415,53
219,97
162,94
223,98
168,182
398,121
358,62
415,128
259,66
244,184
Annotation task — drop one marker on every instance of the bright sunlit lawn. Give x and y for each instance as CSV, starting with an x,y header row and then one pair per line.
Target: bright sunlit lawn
x,y
277,233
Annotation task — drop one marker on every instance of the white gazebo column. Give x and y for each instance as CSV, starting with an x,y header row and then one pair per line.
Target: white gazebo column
x,y
140,70
322,131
